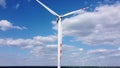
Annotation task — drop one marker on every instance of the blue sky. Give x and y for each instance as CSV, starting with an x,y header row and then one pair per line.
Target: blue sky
x,y
28,33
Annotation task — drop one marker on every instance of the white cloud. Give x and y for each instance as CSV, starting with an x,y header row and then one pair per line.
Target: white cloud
x,y
73,56
17,6
52,49
49,53
119,48
6,25
38,46
3,3
104,53
44,52
27,43
81,49
50,38
97,51
99,27
94,28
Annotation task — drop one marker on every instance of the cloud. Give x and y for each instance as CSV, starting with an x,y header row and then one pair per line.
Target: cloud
x,y
97,51
98,27
105,52
48,53
6,25
3,3
51,49
106,57
43,51
27,43
17,6
119,48
38,45
74,56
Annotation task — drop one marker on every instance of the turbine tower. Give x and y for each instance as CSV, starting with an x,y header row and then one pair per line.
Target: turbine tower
x,y
59,18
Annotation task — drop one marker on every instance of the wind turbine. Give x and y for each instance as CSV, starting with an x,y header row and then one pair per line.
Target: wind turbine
x,y
59,18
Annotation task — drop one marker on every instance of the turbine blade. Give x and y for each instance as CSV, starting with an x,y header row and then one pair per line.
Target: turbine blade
x,y
74,12
47,8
